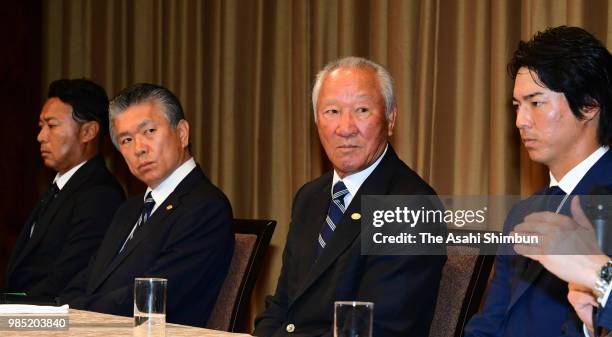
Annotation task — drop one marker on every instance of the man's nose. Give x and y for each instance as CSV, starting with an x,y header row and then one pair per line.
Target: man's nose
x,y
346,124
42,135
523,117
140,146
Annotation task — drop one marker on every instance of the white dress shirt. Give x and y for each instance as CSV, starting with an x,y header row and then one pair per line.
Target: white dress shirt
x,y
571,179
167,186
62,179
354,181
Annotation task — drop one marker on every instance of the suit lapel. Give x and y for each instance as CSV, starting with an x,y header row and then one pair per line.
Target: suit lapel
x,y
19,251
349,229
319,207
155,223
44,222
528,270
114,239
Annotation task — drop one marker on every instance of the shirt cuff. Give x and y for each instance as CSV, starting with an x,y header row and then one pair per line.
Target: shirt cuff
x,y
604,300
586,331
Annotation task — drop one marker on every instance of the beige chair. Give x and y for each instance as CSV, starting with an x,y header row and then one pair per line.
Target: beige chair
x,y
464,280
232,306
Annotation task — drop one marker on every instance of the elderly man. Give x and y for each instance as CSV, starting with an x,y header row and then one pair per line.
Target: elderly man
x,y
68,223
562,96
179,229
355,113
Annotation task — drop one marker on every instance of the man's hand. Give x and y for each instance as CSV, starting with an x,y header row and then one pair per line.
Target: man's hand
x,y
560,234
583,301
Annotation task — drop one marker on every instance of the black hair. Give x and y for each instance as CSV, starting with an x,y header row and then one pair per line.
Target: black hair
x,y
571,61
144,92
88,100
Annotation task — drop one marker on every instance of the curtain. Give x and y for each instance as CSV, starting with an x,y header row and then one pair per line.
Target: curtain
x,y
243,71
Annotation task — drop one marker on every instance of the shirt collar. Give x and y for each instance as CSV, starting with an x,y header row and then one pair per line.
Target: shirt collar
x,y
354,181
571,179
167,186
62,179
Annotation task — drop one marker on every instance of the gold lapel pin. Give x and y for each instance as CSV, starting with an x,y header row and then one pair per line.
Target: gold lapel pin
x,y
355,216
169,207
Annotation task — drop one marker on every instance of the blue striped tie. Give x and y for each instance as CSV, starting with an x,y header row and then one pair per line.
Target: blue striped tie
x,y
149,203
334,215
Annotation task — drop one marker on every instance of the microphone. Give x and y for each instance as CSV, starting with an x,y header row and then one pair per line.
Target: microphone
x,y
598,208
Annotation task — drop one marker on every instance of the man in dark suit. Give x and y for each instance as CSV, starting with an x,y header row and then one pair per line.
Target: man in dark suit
x,y
322,262
569,249
68,224
179,229
562,95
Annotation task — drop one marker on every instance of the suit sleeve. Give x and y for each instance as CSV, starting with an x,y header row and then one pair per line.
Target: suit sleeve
x,y
488,322
275,313
92,213
199,246
604,315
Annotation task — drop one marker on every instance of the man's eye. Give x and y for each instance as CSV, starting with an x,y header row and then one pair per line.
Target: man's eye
x,y
515,106
363,109
149,131
537,104
125,141
331,111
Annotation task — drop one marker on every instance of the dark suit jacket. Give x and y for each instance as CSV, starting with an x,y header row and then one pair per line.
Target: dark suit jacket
x,y
604,315
67,234
403,288
524,299
187,240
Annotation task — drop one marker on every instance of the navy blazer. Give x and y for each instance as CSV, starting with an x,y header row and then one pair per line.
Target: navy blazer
x,y
67,234
604,315
187,240
403,288
524,299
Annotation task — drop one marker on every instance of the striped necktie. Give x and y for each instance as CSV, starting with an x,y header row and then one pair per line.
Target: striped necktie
x,y
334,215
149,203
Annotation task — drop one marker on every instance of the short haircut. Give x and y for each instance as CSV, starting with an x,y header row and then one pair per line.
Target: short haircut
x,y
385,81
87,99
141,93
571,61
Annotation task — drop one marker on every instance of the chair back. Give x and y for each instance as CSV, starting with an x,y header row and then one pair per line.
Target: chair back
x,y
464,279
232,306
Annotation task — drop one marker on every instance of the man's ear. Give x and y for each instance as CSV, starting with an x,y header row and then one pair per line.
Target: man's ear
x,y
183,131
89,131
590,112
391,121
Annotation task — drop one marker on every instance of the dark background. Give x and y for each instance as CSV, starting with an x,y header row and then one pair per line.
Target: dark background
x,y
21,172
23,177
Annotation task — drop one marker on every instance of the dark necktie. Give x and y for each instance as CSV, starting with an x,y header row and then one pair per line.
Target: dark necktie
x,y
553,199
149,203
334,215
46,200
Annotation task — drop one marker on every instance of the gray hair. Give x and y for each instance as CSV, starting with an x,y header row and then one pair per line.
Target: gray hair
x,y
385,80
141,93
